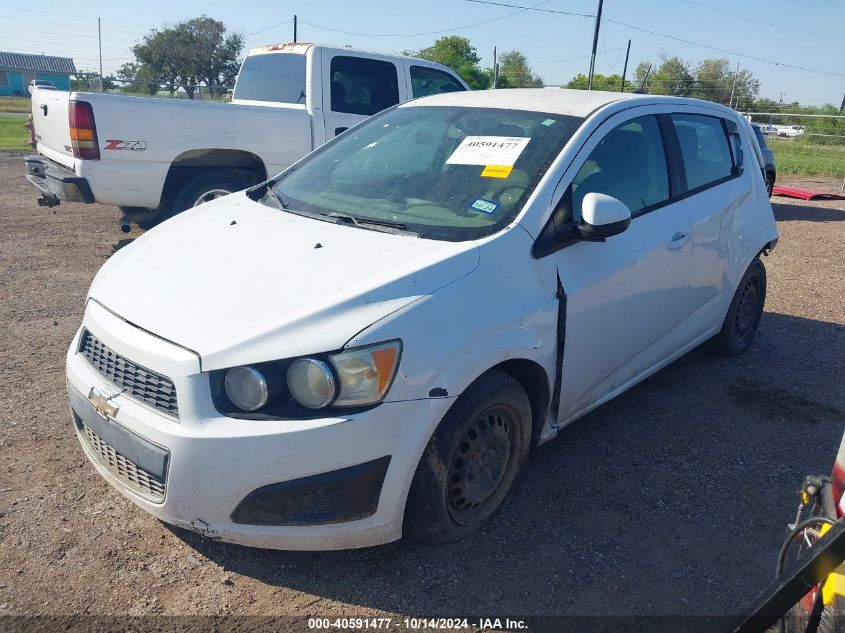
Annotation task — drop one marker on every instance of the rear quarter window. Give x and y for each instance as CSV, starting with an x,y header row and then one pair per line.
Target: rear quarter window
x,y
705,148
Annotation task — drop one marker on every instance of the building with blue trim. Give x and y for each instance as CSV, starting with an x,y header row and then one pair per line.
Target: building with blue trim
x,y
17,70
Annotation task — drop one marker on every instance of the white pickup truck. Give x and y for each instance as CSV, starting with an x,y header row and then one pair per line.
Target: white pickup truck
x,y
149,155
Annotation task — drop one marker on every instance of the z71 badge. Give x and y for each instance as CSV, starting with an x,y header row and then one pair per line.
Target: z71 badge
x,y
133,146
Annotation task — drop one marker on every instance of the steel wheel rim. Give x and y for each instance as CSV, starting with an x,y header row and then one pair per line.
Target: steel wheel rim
x,y
479,465
746,310
210,195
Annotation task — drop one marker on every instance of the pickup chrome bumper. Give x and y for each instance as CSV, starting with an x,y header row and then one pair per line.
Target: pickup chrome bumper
x,y
56,183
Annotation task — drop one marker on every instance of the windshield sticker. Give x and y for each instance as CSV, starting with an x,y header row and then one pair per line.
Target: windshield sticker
x,y
497,171
488,150
548,122
485,206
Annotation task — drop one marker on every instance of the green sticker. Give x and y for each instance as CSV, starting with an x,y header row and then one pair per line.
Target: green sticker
x,y
548,122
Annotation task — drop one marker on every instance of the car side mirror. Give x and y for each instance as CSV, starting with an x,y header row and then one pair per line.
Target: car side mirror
x,y
602,216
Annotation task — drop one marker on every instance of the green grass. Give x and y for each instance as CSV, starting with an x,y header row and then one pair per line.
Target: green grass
x,y
14,104
800,158
13,135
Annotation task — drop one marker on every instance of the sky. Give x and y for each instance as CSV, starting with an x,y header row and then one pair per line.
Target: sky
x,y
802,33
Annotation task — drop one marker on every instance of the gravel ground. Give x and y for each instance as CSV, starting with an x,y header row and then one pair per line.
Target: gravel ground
x,y
671,499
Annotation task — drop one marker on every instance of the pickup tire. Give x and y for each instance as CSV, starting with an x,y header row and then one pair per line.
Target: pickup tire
x,y
207,186
472,461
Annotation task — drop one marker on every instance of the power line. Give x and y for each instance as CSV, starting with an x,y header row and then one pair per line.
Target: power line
x,y
789,28
724,50
532,8
269,28
457,28
678,39
75,15
64,24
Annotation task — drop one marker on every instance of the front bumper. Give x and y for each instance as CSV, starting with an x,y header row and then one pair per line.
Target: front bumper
x,y
56,183
229,479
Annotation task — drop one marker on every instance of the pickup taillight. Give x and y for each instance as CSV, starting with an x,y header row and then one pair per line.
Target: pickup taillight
x,y
83,131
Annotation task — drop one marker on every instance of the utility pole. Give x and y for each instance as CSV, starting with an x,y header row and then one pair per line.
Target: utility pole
x,y
595,45
100,40
733,87
496,70
625,69
294,29
842,107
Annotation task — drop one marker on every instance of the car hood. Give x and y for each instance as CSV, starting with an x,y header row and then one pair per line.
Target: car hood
x,y
239,282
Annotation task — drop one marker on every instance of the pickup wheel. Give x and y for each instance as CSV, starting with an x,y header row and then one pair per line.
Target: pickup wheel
x,y
469,467
206,187
744,313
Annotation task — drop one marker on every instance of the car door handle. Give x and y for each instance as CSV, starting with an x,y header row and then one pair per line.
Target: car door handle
x,y
677,241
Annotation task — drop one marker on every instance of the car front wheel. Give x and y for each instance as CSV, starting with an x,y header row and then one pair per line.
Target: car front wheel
x,y
469,467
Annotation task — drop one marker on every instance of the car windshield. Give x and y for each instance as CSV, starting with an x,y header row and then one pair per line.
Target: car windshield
x,y
445,173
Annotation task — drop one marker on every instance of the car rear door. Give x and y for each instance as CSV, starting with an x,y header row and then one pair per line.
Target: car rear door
x,y
356,87
715,185
626,298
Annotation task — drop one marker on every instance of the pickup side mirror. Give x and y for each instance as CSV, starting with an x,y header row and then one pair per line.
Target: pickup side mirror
x,y
602,216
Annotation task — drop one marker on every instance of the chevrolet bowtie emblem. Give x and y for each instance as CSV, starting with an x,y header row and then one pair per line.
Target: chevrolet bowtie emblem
x,y
101,403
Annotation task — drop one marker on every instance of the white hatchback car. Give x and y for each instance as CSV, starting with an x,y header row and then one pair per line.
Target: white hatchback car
x,y
370,343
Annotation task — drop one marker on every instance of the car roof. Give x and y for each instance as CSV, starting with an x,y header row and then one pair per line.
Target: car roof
x,y
564,101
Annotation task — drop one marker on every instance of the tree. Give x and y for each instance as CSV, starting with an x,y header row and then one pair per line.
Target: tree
x,y
187,54
715,81
515,72
600,82
457,53
672,78
642,75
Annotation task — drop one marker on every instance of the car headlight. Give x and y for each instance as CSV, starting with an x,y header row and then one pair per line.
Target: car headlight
x,y
363,376
247,388
311,383
351,378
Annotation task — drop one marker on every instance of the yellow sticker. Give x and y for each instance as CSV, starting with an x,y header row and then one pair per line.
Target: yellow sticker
x,y
497,171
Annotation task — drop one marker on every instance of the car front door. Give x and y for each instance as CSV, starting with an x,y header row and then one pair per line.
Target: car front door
x,y
355,88
624,298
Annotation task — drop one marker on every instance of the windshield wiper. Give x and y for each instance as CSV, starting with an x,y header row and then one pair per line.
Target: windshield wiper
x,y
365,223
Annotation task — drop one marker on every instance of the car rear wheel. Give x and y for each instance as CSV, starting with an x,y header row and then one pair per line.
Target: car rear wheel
x,y
770,183
472,461
207,186
744,313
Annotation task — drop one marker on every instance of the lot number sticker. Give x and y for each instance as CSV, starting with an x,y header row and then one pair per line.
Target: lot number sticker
x,y
488,150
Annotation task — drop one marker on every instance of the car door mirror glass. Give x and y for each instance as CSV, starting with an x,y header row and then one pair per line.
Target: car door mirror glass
x,y
602,216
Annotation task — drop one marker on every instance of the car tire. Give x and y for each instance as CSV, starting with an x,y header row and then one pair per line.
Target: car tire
x,y
205,187
744,313
470,465
770,183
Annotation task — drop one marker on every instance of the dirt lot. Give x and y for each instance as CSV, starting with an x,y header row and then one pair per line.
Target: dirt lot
x,y
672,499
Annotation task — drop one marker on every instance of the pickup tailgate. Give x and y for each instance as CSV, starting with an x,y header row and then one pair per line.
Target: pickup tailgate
x,y
52,130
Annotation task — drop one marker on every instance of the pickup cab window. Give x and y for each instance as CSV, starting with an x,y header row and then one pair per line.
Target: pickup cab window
x,y
363,86
430,81
278,77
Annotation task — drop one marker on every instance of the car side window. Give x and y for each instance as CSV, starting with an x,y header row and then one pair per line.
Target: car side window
x,y
430,81
628,164
363,86
705,148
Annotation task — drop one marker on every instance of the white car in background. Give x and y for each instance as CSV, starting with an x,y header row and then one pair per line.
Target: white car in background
x,y
371,342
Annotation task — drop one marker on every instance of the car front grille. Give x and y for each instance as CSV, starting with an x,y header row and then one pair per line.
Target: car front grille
x,y
130,474
139,382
